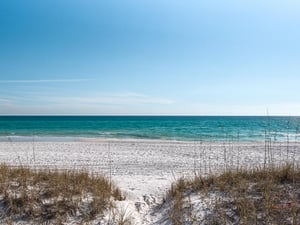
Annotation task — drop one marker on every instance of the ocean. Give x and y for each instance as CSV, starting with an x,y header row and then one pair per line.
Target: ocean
x,y
181,128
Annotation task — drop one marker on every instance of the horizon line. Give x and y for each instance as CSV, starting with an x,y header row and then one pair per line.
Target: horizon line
x,y
192,115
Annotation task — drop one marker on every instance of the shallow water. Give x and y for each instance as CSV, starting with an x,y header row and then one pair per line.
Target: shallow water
x,y
184,128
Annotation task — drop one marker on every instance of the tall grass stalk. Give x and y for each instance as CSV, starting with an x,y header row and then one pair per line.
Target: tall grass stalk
x,y
238,150
33,149
287,140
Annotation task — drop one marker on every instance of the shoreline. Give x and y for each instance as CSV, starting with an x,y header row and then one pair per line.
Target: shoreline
x,y
45,139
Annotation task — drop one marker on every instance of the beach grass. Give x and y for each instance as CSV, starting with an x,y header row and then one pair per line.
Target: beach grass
x,y
258,196
53,196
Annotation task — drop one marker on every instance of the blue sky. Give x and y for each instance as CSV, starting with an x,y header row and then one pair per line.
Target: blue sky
x,y
150,57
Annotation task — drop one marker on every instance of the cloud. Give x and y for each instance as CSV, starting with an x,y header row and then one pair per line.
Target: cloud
x,y
4,101
43,81
114,99
118,103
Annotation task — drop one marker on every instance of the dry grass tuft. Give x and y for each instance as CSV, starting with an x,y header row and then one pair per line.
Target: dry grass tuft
x,y
53,195
259,196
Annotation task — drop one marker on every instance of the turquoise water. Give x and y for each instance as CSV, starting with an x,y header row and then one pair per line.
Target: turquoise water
x,y
187,128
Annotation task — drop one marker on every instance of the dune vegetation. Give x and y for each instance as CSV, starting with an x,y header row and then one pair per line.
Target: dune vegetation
x,y
53,196
257,196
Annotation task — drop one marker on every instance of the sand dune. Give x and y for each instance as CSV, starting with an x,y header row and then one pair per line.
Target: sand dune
x,y
145,169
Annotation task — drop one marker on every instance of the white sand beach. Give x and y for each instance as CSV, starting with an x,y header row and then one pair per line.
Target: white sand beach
x,y
144,169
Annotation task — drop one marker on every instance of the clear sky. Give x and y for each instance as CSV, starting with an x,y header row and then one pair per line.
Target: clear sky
x,y
233,57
